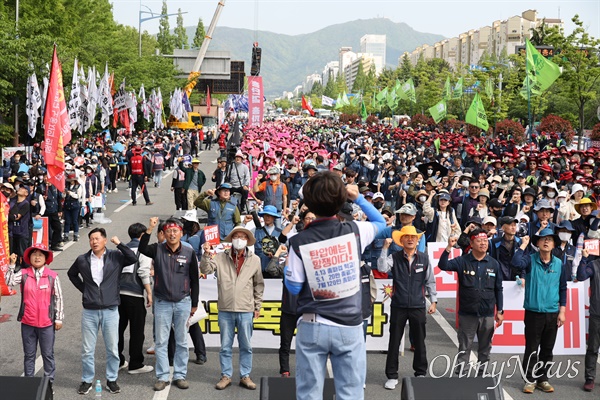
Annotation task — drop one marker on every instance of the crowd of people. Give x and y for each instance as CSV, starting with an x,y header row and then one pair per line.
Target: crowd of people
x,y
289,191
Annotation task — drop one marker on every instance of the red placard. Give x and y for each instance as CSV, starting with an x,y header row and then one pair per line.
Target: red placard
x,y
592,246
211,235
41,235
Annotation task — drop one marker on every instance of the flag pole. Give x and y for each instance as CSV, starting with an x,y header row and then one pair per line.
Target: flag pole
x,y
528,95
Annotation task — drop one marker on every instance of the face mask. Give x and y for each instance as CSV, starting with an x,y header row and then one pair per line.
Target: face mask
x,y
378,204
380,162
551,195
497,213
239,244
564,236
430,171
561,200
465,183
273,178
392,173
422,199
418,181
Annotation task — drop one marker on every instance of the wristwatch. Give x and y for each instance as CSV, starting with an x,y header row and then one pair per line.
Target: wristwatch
x,y
501,312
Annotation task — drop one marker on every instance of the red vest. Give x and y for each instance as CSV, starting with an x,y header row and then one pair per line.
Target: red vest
x,y
37,298
137,165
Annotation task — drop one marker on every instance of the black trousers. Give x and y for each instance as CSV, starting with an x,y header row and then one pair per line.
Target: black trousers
x,y
208,144
138,180
197,339
417,318
180,198
287,325
132,312
55,229
244,194
113,178
540,335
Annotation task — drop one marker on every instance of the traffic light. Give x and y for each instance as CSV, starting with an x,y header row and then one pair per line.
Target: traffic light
x,y
256,54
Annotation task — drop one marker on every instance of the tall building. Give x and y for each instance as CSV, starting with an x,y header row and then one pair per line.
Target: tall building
x,y
351,70
501,38
346,56
375,45
331,70
309,82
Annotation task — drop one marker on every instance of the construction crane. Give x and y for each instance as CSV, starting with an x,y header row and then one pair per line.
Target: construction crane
x,y
195,73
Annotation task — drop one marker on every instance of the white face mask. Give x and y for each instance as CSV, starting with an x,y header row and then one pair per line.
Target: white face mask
x,y
430,171
274,177
422,199
551,194
564,236
392,173
465,183
239,244
561,200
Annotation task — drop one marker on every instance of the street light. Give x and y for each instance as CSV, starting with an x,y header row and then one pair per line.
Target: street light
x,y
152,16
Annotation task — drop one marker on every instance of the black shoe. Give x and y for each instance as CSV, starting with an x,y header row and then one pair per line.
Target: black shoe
x,y
134,203
51,387
56,248
84,388
113,387
200,359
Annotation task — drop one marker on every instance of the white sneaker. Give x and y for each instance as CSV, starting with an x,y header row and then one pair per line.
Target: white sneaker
x,y
143,370
109,191
391,384
116,191
124,366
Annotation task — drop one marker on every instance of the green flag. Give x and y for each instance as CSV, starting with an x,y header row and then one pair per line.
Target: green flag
x,y
391,99
489,88
438,112
408,88
338,102
476,114
363,111
398,88
446,93
437,142
345,101
458,89
382,95
541,72
355,102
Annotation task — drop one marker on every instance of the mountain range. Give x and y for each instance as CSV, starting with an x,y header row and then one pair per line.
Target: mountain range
x,y
287,60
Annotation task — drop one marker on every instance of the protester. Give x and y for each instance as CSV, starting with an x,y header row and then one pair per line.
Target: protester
x,y
176,289
323,323
412,276
222,211
194,180
545,305
42,311
240,293
96,275
480,300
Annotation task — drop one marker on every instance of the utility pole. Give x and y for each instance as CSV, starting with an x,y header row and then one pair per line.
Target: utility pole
x,y
16,99
140,20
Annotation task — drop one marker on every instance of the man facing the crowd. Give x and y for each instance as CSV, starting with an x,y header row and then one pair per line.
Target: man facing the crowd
x,y
480,299
96,275
240,291
194,180
412,275
176,290
221,211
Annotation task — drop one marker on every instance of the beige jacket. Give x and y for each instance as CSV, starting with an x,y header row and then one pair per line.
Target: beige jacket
x,y
243,293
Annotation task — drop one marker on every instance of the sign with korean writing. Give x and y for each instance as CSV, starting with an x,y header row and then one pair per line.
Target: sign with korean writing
x,y
510,336
332,267
211,234
445,281
592,246
8,152
255,101
41,235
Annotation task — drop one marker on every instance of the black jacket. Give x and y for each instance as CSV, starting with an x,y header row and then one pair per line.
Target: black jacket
x,y
107,294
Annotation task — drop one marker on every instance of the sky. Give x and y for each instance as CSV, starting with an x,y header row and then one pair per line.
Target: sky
x,y
292,17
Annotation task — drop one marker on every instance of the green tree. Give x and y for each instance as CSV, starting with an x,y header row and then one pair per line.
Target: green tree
x,y
199,35
340,84
539,34
181,38
317,89
405,69
329,90
166,41
360,81
580,62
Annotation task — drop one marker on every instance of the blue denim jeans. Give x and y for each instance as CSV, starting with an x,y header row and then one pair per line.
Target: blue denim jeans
x,y
106,320
345,346
228,322
175,314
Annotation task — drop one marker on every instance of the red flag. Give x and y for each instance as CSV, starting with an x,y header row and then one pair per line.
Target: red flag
x,y
57,132
124,114
4,250
208,101
306,106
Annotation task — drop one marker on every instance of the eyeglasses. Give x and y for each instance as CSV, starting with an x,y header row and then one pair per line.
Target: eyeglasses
x,y
473,187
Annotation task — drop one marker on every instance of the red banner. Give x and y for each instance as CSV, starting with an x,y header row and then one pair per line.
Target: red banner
x,y
307,106
4,250
57,132
255,100
208,100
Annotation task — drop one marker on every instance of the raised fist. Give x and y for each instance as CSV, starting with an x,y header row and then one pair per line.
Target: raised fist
x,y
115,240
452,242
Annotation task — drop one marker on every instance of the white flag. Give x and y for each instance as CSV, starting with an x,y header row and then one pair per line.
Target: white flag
x,y
132,109
34,102
145,108
158,111
326,101
74,100
92,97
45,84
105,99
85,102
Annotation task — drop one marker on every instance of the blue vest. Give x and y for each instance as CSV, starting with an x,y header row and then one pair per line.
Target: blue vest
x,y
345,311
543,286
223,218
274,198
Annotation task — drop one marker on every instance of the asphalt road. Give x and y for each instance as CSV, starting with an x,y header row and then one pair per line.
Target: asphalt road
x,y
441,336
